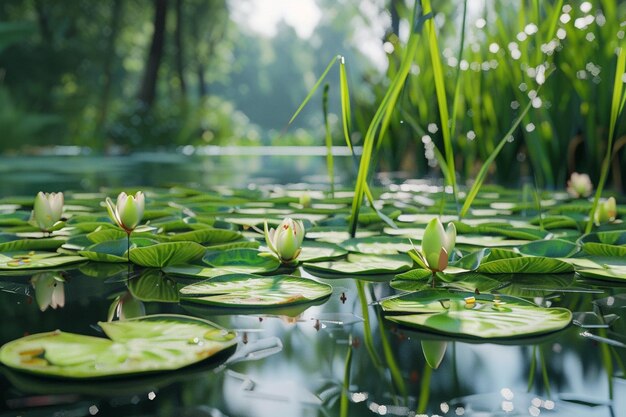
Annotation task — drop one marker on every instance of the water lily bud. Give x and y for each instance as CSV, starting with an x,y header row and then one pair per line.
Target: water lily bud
x,y
579,185
47,210
437,244
606,211
286,241
49,290
128,210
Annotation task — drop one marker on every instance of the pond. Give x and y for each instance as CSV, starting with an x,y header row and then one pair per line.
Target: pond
x,y
358,343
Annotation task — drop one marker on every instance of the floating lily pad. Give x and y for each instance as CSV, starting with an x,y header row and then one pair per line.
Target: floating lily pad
x,y
207,236
609,272
255,291
449,313
603,249
377,245
165,254
147,344
35,260
525,265
357,264
554,248
320,251
10,243
245,261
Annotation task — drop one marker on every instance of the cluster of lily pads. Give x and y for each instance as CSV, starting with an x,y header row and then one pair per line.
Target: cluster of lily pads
x,y
248,249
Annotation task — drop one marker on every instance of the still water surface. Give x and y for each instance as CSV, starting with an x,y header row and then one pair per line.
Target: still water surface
x,y
294,364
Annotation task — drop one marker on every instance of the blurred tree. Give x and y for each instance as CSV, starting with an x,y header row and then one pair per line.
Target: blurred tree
x,y
147,92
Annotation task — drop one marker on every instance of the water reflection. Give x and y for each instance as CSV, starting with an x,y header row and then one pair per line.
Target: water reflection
x,y
49,290
295,364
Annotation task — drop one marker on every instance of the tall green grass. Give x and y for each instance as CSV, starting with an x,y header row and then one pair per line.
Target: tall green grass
x,y
617,105
380,121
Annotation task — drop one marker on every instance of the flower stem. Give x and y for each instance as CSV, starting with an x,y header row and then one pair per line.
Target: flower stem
x,y
128,246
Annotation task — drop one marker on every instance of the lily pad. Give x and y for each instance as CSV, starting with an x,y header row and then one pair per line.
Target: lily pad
x,y
377,245
165,254
245,261
553,248
255,291
207,236
448,313
357,264
147,344
10,242
525,265
320,251
603,249
609,273
35,260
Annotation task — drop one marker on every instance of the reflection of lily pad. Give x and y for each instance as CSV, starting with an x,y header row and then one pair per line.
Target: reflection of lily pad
x,y
153,285
449,313
537,285
245,261
356,264
255,291
147,344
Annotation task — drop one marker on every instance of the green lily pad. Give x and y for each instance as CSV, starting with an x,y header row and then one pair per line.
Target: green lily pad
x,y
237,244
245,261
448,313
107,251
35,260
207,236
357,264
147,344
608,273
320,251
554,248
252,290
525,265
165,254
603,249
377,245
10,243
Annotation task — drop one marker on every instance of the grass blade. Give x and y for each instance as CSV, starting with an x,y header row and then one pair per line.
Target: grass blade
x,y
329,143
440,90
313,90
616,108
482,174
344,402
379,123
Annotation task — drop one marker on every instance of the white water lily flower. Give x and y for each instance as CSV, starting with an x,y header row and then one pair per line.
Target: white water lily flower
x,y
49,290
47,210
579,185
437,244
286,241
128,210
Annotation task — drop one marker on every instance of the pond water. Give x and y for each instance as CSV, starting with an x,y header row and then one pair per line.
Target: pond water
x,y
294,361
